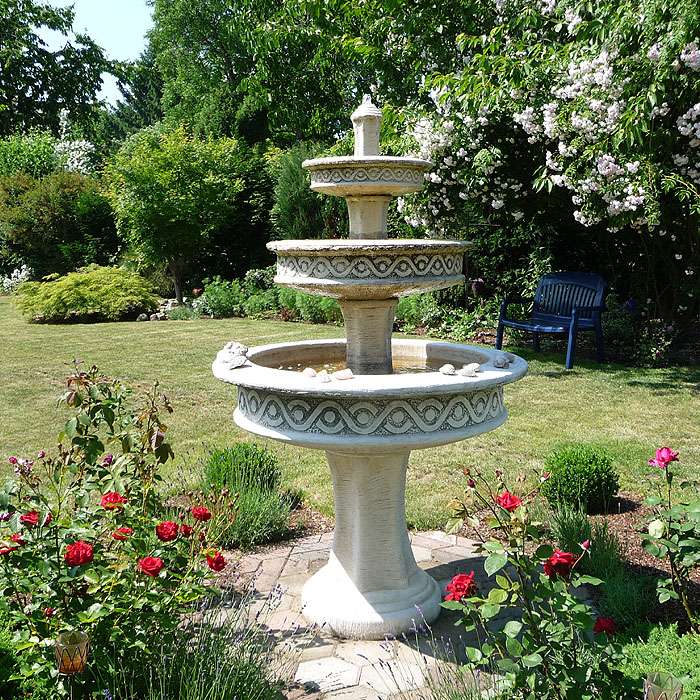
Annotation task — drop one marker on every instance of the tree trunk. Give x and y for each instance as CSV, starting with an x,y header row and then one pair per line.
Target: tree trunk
x,y
177,277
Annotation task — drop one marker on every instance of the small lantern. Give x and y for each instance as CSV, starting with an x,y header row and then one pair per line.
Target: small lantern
x,y
662,686
72,652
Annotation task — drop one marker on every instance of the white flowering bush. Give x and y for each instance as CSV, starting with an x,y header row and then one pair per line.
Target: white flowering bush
x,y
9,283
581,120
76,155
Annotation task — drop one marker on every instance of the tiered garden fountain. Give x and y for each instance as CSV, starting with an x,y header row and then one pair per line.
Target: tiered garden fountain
x,y
368,401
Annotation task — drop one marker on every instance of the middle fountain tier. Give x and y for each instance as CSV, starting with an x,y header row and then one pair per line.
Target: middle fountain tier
x,y
368,400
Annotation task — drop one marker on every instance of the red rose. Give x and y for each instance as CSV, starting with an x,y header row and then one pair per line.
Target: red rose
x,y
49,612
17,539
166,531
151,566
78,553
186,530
461,586
112,500
216,560
201,513
4,551
30,519
604,624
559,564
121,533
508,501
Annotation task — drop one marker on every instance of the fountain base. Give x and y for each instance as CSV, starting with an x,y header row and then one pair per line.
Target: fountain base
x,y
371,587
331,600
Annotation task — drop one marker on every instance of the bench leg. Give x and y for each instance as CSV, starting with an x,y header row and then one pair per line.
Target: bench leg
x,y
536,341
599,347
571,347
499,336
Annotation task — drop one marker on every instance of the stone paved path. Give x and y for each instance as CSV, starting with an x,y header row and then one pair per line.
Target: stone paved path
x,y
327,667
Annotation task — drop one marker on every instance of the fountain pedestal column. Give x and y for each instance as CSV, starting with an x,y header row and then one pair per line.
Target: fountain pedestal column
x,y
368,324
371,587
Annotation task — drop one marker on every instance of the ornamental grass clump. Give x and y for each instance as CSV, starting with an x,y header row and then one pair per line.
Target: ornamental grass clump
x,y
87,544
674,534
553,645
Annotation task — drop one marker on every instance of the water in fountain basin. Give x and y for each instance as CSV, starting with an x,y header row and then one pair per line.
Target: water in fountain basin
x,y
401,366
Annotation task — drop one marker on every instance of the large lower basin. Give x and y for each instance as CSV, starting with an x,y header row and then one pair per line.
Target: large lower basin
x,y
370,413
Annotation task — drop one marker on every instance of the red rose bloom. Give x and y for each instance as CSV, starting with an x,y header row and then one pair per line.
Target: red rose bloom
x,y
604,624
151,566
17,539
121,533
559,564
166,531
508,501
186,530
201,513
216,561
30,519
664,456
461,586
78,553
113,500
49,612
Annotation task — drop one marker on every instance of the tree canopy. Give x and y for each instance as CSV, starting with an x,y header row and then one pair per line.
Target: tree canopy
x,y
36,84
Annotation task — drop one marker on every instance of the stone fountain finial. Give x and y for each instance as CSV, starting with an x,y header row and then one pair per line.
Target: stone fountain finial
x,y
366,121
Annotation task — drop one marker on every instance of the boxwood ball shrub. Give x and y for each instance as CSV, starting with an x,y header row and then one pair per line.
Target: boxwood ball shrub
x,y
92,294
581,475
252,476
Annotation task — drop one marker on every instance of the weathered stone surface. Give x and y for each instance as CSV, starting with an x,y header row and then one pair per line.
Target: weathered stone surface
x,y
327,674
364,653
391,677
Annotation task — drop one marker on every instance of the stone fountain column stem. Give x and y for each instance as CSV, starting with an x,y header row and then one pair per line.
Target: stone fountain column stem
x,y
368,326
371,586
368,216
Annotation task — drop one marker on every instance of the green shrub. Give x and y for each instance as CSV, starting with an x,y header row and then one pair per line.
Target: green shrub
x,y
627,598
665,651
93,294
243,466
259,279
8,664
315,309
56,224
298,212
183,313
418,310
33,154
260,304
580,475
221,298
287,299
571,526
251,472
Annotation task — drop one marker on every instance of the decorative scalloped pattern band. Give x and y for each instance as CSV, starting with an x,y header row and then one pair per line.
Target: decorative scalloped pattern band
x,y
324,176
348,417
365,267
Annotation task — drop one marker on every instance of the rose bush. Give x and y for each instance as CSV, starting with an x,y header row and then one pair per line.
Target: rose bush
x,y
674,534
84,544
555,647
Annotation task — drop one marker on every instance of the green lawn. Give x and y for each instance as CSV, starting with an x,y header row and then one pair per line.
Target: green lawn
x,y
629,411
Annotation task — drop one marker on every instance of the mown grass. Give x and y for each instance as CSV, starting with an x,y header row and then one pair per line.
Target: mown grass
x,y
628,411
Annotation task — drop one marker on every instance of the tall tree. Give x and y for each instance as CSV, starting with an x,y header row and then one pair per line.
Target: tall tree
x,y
37,83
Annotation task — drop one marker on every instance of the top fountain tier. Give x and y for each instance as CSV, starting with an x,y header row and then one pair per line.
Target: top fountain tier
x,y
367,180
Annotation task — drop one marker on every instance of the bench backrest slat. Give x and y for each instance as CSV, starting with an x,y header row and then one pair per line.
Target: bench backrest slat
x,y
558,293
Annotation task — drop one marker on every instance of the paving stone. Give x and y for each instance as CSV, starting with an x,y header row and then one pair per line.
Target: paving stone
x,y
310,554
389,677
311,546
327,674
421,553
248,565
440,537
292,583
357,692
286,621
327,537
363,653
420,652
427,542
275,553
455,554
295,566
317,648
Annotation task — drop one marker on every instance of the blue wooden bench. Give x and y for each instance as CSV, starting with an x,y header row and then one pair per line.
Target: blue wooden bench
x,y
565,302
